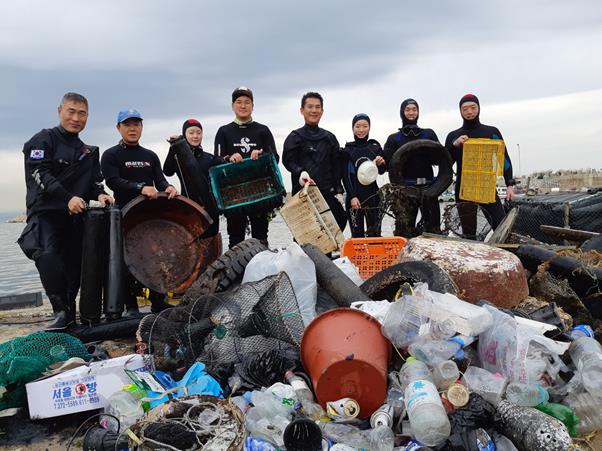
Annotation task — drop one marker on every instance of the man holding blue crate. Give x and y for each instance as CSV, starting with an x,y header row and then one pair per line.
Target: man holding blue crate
x,y
241,139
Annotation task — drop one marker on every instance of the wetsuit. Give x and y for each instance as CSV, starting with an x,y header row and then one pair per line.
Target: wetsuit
x,y
58,166
474,129
204,161
355,153
417,170
127,170
244,138
316,151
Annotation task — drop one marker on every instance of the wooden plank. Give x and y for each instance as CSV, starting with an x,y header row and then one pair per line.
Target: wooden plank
x,y
578,236
500,234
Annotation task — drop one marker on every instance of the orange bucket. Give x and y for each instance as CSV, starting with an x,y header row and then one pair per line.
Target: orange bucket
x,y
347,356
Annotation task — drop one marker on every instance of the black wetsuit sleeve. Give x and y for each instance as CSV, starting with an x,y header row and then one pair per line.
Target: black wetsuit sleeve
x,y
97,186
379,153
219,144
449,145
390,148
110,170
271,144
508,176
170,166
216,161
158,177
290,155
336,156
38,153
347,176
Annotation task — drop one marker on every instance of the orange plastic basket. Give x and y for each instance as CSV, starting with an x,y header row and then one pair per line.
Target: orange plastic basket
x,y
371,255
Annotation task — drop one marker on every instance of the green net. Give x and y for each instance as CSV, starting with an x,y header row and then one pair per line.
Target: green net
x,y
24,359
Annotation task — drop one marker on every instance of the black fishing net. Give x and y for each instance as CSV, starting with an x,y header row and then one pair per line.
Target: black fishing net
x,y
228,327
466,220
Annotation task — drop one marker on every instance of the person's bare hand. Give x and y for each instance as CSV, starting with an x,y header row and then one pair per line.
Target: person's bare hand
x,y
105,199
171,191
355,203
256,153
460,141
235,158
379,161
150,192
76,205
509,193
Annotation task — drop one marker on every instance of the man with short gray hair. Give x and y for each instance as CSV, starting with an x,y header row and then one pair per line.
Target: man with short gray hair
x,y
62,174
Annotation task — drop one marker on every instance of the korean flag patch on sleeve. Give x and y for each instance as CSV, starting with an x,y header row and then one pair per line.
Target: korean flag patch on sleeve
x,y
36,154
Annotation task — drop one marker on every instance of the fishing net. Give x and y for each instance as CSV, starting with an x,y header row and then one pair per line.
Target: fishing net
x,y
466,220
24,359
226,328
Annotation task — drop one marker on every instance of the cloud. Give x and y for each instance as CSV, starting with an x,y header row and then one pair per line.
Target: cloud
x,y
179,59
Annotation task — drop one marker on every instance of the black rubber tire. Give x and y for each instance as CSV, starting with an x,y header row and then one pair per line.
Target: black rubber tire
x,y
225,272
386,283
431,150
593,244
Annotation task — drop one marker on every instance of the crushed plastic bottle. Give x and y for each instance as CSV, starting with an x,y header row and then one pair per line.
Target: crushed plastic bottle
x,y
428,419
586,354
346,434
587,407
382,439
305,396
406,320
126,406
527,395
490,386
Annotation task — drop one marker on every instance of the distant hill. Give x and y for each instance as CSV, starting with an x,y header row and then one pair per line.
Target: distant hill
x,y
12,216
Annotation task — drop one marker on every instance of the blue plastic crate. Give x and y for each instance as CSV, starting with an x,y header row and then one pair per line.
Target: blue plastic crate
x,y
256,183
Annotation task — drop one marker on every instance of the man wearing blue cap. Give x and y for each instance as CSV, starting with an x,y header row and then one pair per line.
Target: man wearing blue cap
x,y
61,175
130,170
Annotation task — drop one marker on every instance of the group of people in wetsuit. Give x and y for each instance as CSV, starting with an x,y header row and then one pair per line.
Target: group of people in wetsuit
x,y
63,174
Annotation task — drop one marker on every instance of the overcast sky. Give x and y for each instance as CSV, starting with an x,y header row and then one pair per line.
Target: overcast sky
x,y
535,66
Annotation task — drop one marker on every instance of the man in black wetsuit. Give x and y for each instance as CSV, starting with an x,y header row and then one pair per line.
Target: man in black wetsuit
x,y
240,139
417,171
61,175
131,170
311,153
472,128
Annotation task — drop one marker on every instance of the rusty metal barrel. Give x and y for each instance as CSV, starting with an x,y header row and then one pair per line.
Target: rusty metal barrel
x,y
162,245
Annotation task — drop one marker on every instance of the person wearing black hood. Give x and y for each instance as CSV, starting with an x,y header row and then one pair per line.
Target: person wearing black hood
x,y
417,171
472,128
192,132
245,138
312,154
362,200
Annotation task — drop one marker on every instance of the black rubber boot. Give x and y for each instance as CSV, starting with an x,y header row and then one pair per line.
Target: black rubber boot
x,y
62,314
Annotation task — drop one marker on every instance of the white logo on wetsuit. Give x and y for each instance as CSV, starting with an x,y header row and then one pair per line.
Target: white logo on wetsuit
x,y
137,164
246,144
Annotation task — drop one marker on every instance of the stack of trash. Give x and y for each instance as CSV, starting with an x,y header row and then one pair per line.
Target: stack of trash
x,y
417,366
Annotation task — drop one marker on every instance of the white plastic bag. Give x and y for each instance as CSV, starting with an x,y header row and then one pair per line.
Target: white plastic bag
x,y
350,270
299,268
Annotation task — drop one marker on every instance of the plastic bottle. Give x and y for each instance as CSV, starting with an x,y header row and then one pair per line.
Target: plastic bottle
x,y
305,396
582,330
490,386
382,439
445,374
346,434
587,407
125,406
586,354
405,320
562,413
428,419
526,395
434,351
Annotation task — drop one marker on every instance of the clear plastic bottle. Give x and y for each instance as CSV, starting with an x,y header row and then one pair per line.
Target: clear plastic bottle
x,y
405,320
526,395
445,374
582,330
490,386
434,351
125,406
305,396
346,434
587,407
382,439
428,419
586,354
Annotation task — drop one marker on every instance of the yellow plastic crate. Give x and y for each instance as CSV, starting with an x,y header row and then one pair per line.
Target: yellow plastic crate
x,y
482,163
